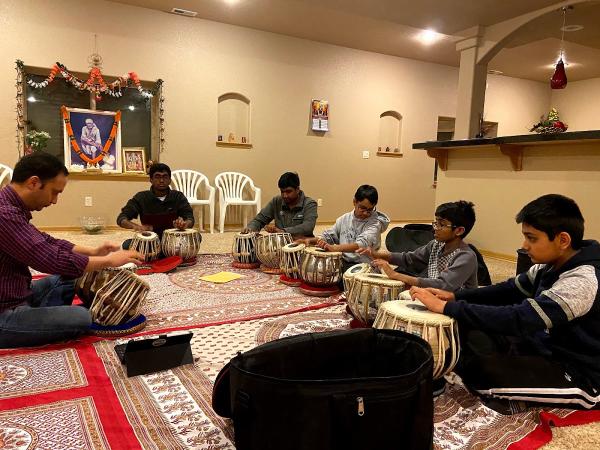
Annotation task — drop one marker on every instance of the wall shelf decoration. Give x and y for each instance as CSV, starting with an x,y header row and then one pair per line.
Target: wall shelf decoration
x,y
233,121
390,130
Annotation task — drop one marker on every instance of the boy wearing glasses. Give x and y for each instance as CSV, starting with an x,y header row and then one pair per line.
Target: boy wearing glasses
x,y
534,337
446,262
158,208
361,227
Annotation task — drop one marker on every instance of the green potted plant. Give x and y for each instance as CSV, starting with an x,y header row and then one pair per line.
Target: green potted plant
x,y
37,140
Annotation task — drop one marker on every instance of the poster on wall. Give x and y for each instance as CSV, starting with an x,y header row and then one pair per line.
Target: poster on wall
x,y
92,140
320,115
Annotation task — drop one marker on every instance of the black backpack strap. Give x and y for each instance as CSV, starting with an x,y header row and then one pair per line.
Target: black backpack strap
x,y
221,394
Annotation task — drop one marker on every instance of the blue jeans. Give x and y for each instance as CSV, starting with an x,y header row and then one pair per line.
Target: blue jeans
x,y
48,316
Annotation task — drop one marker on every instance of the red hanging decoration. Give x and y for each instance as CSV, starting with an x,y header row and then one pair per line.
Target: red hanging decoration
x,y
559,79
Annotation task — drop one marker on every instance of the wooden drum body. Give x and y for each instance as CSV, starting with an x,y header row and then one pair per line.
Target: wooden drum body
x,y
291,255
147,243
356,269
183,243
244,251
119,299
440,331
268,250
368,292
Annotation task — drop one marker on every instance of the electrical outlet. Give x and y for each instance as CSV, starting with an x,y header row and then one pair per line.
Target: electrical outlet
x,y
319,202
366,154
88,201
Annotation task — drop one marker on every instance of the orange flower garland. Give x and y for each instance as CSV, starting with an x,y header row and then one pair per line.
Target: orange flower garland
x,y
75,145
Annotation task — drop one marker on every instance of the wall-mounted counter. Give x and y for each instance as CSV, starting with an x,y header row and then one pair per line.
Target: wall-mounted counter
x,y
511,146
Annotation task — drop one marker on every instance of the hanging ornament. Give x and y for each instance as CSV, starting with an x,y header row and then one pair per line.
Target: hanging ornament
x,y
559,78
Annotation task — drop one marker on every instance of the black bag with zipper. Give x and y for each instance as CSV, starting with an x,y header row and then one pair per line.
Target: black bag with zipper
x,y
342,390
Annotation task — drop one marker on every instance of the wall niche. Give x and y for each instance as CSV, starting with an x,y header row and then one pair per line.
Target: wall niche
x,y
390,130
233,121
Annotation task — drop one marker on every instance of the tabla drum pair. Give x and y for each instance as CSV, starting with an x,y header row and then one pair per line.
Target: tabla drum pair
x,y
115,297
289,263
356,269
320,271
183,243
368,291
147,243
440,331
268,250
244,251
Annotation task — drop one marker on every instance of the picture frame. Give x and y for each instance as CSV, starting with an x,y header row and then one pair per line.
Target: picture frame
x,y
91,129
134,160
319,115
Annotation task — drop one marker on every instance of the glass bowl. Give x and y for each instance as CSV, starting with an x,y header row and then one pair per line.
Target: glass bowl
x,y
92,224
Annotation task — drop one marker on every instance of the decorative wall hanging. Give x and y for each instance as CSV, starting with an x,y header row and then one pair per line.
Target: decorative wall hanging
x,y
320,115
134,160
92,140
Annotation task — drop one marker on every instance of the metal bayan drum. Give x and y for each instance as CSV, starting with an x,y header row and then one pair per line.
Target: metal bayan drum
x,y
244,251
368,292
291,255
440,331
184,243
320,267
268,250
356,269
147,243
89,283
120,299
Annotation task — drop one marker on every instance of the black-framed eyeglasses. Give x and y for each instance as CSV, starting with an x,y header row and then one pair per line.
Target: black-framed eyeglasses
x,y
438,225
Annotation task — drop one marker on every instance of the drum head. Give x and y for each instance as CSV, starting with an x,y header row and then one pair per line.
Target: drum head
x,y
146,235
293,247
415,311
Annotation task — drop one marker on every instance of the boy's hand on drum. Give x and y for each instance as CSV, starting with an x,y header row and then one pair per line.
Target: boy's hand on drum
x,y
304,241
428,298
383,265
447,296
179,223
106,248
367,251
322,243
121,257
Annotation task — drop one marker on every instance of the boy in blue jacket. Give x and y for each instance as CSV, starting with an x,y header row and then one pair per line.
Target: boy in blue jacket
x,y
535,337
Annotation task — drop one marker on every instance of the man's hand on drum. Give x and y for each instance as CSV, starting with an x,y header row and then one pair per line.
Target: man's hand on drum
x,y
180,223
105,249
271,228
323,244
384,266
428,298
121,257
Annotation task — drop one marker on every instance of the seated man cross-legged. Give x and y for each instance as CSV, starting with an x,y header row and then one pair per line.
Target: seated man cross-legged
x,y
39,312
535,337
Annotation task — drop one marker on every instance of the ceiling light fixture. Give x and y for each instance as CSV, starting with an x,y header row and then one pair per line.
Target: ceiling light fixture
x,y
428,37
231,2
571,28
559,78
184,12
495,72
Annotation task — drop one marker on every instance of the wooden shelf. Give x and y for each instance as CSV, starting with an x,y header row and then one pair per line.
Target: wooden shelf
x,y
108,176
392,154
233,144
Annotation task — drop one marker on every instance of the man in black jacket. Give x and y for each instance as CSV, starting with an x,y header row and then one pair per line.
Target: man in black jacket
x,y
535,337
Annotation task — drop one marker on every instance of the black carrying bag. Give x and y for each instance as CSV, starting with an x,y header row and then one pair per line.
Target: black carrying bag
x,y
344,390
408,238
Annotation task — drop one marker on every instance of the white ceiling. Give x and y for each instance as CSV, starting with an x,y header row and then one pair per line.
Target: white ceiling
x,y
390,27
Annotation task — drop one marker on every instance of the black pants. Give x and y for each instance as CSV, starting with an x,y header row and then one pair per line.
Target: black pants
x,y
509,368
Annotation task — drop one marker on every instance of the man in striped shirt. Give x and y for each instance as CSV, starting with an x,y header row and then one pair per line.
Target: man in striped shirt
x,y
39,312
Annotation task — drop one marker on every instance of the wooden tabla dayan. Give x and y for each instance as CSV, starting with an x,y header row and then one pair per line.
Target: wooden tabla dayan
x,y
440,331
89,283
244,251
291,255
183,243
368,292
147,243
119,299
356,269
320,271
268,250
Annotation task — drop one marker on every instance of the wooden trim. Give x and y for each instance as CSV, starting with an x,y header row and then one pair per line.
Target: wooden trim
x,y
392,154
233,144
108,176
495,255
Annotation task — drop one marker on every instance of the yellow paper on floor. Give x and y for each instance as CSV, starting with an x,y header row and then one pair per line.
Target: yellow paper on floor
x,y
221,277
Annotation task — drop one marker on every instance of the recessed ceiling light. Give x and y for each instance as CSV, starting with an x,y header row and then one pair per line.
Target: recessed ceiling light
x,y
569,28
428,37
495,72
184,12
231,2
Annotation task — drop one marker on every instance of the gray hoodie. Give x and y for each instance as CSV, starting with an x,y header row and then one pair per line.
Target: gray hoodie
x,y
366,233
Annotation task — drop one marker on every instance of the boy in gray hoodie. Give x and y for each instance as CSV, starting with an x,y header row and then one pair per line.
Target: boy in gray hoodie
x,y
361,227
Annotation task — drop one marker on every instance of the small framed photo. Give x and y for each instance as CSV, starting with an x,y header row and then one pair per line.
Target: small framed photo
x,y
134,160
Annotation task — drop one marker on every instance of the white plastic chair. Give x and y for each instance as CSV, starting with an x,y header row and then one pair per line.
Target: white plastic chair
x,y
5,174
231,189
189,182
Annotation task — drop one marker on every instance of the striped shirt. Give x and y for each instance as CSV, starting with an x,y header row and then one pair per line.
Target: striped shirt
x,y
22,246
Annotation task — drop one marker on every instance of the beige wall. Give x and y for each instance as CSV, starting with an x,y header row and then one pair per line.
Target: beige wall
x,y
200,60
578,104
